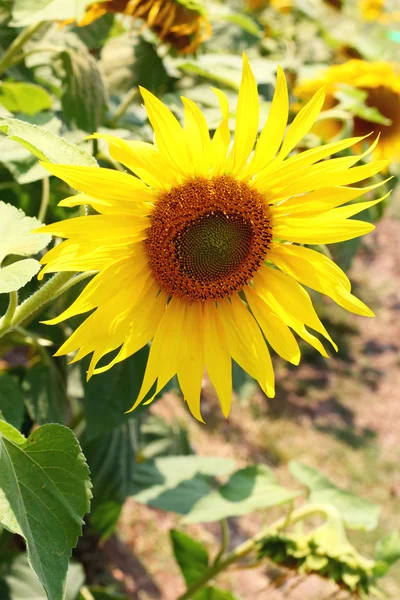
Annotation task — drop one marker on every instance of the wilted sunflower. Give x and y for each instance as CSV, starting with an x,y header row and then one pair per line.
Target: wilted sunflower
x,y
180,23
201,251
381,82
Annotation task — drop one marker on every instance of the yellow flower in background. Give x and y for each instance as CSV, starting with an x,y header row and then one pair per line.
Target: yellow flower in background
x,y
381,82
201,252
180,23
372,9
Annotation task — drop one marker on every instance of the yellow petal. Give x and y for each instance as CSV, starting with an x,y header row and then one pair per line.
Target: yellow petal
x,y
246,344
106,185
191,362
221,138
197,137
98,227
318,272
302,123
144,160
247,118
277,333
272,133
283,291
164,352
217,356
170,139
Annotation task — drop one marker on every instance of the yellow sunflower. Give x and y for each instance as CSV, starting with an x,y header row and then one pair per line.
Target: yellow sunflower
x,y
180,23
381,82
201,250
371,10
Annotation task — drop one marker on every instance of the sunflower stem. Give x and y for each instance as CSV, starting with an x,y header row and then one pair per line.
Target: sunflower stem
x,y
123,107
7,59
53,288
12,307
251,544
45,199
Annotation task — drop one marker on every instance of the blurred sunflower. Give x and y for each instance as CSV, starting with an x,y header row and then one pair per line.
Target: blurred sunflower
x,y
201,252
181,23
381,82
371,10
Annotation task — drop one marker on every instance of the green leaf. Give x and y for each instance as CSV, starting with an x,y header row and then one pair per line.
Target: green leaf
x,y
99,593
45,393
20,583
28,98
247,490
387,550
10,433
191,556
84,97
13,277
112,461
356,512
109,395
11,401
16,235
176,483
26,12
45,145
45,492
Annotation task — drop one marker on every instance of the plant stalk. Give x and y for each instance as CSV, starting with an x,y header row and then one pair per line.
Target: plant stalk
x,y
53,288
7,59
12,307
44,200
243,549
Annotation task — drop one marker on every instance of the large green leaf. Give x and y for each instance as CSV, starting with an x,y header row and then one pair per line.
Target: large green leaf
x,y
44,494
357,512
191,556
26,12
109,395
45,145
387,552
23,97
112,461
45,392
16,235
176,483
84,97
247,490
11,400
20,583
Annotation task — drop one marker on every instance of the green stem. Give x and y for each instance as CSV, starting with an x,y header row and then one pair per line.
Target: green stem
x,y
123,107
25,35
225,535
241,551
12,307
45,199
53,288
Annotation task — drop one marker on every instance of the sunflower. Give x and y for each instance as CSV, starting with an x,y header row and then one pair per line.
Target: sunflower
x,y
201,252
381,82
180,23
371,10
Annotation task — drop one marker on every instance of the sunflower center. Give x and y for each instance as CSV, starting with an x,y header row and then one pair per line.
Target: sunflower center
x,y
208,237
388,104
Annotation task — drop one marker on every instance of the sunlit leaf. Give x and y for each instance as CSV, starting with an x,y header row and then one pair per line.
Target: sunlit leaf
x,y
16,235
15,276
357,512
28,98
26,12
247,490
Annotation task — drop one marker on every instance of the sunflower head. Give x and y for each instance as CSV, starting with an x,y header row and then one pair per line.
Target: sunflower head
x,y
202,249
182,24
380,82
372,9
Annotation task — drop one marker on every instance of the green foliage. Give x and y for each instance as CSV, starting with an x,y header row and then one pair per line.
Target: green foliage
x,y
247,490
28,98
356,512
11,400
45,493
26,12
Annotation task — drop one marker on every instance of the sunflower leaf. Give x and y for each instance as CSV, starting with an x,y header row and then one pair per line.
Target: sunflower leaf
x,y
26,12
44,494
356,512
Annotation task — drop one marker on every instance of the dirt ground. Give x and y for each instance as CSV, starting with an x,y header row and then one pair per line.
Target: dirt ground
x,y
341,416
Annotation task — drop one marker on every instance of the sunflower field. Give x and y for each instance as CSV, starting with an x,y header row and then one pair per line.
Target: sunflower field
x,y
199,299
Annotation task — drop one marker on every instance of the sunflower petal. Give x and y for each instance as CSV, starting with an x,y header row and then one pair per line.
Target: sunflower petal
x,y
197,136
217,356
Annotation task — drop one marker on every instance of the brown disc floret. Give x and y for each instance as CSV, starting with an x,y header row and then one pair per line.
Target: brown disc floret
x,y
208,237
